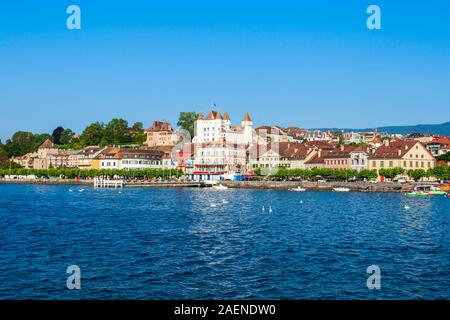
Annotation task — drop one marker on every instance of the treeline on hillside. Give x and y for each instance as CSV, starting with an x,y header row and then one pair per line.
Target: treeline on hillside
x,y
72,173
439,172
115,132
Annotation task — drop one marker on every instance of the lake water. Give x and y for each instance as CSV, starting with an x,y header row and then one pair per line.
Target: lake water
x,y
210,244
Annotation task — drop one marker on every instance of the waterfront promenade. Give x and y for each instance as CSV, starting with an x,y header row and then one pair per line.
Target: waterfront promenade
x,y
265,185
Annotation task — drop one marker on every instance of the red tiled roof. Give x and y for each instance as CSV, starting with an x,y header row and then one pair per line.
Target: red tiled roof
x,y
395,150
292,150
314,160
48,144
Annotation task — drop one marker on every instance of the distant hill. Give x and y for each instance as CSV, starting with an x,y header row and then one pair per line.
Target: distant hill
x,y
442,129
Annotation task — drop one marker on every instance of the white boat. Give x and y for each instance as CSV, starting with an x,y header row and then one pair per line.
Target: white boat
x,y
220,187
341,189
299,189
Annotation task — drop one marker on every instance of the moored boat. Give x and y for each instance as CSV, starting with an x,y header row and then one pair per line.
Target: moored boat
x,y
299,189
220,187
341,189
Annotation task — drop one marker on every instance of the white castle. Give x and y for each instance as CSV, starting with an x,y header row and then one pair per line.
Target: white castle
x,y
219,146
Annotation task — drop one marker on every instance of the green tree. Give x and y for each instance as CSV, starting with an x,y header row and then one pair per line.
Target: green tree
x,y
116,132
441,172
21,142
367,174
137,133
444,157
417,174
3,153
186,120
93,134
391,173
56,135
66,136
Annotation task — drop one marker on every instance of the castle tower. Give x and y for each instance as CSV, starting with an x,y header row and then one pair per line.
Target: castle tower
x,y
247,124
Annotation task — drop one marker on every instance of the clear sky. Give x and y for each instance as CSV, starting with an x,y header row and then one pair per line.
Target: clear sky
x,y
303,63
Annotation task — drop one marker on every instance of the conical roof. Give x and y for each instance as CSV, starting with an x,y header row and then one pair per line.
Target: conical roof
x,y
247,117
226,116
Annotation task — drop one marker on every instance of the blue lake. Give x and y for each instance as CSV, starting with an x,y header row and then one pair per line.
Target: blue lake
x,y
210,244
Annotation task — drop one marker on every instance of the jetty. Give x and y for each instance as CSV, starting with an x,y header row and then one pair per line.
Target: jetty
x,y
100,182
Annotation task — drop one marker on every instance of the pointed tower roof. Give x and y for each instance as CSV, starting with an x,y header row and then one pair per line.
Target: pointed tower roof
x,y
48,144
247,117
226,116
199,116
213,115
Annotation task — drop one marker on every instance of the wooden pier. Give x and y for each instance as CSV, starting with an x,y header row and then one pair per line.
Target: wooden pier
x,y
100,182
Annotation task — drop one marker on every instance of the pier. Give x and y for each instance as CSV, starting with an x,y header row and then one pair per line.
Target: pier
x,y
100,182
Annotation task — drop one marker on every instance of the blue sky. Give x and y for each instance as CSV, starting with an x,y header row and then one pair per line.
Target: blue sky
x,y
303,63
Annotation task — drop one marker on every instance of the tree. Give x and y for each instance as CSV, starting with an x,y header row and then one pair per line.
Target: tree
x,y
66,136
3,153
391,173
21,142
367,174
186,120
444,157
93,134
56,135
137,133
441,172
116,132
417,174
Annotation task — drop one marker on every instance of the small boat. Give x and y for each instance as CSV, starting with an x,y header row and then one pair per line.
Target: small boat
x,y
220,187
341,189
299,189
416,194
437,192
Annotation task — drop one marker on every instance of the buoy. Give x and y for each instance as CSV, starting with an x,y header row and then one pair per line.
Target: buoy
x,y
263,209
270,208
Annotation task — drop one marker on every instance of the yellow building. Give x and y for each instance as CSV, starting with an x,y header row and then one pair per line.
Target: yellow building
x,y
405,154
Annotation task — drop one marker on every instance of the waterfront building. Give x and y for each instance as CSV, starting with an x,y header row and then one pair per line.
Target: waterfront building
x,y
48,156
26,161
346,157
219,146
439,145
85,156
161,134
406,154
128,159
291,155
107,159
137,159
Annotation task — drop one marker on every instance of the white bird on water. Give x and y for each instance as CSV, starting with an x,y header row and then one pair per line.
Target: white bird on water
x,y
81,190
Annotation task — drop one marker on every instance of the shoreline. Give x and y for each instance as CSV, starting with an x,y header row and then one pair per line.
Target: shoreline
x,y
257,185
